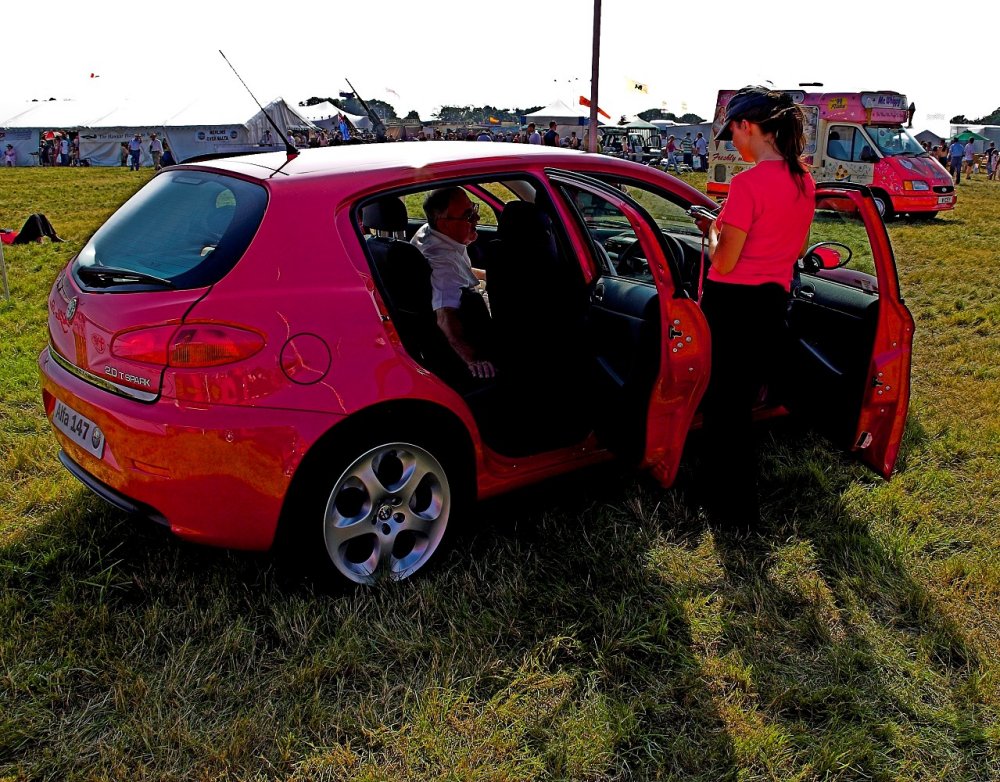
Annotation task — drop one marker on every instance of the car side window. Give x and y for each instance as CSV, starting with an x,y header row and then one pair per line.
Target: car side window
x,y
615,239
616,247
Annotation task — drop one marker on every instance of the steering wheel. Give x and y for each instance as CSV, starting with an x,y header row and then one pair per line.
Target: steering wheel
x,y
630,262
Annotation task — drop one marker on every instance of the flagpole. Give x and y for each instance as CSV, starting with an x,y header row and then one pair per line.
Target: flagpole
x,y
595,70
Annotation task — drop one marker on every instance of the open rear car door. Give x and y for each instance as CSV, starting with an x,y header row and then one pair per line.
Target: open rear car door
x,y
851,334
650,341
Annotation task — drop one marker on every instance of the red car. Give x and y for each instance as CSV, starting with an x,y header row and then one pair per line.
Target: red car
x,y
247,346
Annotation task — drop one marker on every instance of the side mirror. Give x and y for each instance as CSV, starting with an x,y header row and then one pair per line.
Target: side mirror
x,y
825,256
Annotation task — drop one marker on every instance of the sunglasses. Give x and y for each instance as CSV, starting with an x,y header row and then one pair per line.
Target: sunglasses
x,y
470,215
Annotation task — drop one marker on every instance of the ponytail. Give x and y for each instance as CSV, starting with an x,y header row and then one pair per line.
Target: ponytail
x,y
788,127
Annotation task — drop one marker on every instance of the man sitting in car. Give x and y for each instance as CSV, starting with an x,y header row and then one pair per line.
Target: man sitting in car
x,y
459,307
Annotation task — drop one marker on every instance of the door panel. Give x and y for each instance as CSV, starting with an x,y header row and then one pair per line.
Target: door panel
x,y
623,329
850,335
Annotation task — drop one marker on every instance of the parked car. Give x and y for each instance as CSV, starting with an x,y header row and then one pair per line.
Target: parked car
x,y
246,348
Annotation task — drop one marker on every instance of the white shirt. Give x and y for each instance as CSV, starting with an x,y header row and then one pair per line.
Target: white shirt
x,y
156,145
701,145
451,268
535,138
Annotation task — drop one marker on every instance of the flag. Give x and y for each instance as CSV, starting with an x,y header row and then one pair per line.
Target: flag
x,y
494,121
392,91
94,76
635,86
602,112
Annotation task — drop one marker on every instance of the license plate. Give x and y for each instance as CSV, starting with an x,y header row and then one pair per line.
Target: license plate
x,y
944,199
78,428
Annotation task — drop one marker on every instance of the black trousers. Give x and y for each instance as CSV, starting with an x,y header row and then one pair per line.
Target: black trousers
x,y
34,228
748,341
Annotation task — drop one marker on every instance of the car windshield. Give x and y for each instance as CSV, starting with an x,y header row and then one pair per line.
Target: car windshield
x,y
894,140
184,229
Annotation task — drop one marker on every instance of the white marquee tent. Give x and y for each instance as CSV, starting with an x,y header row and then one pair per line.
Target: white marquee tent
x,y
567,118
193,129
325,115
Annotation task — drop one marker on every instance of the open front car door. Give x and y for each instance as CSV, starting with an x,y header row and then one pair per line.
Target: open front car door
x,y
649,339
850,332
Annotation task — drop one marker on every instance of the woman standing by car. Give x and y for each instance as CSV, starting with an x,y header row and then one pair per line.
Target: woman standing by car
x,y
753,244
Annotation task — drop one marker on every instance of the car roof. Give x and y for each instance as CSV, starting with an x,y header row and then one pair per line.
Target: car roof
x,y
352,158
364,168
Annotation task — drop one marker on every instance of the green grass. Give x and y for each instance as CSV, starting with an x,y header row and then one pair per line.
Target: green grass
x,y
588,629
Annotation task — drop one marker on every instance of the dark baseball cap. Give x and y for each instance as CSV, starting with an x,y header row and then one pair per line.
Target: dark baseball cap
x,y
745,101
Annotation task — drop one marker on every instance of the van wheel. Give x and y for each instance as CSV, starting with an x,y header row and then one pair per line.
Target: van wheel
x,y
380,510
883,204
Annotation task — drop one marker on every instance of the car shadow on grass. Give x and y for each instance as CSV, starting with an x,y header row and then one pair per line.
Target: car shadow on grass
x,y
581,558
855,666
589,627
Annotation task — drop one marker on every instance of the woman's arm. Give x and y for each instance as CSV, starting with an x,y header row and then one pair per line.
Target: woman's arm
x,y
724,246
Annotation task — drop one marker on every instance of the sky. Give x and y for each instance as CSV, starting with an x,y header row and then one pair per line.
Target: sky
x,y
422,55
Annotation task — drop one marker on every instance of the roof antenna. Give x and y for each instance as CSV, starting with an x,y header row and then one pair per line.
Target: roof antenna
x,y
290,150
375,119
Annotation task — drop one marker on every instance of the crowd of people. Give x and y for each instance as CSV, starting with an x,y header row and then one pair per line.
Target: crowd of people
x,y
55,148
958,158
528,135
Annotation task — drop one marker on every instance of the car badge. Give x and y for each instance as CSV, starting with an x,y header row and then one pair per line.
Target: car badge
x,y
71,308
98,342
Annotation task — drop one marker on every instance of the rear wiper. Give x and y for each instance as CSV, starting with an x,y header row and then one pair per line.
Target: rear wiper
x,y
109,275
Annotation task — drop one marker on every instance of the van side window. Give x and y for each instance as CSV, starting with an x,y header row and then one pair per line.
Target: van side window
x,y
863,152
839,142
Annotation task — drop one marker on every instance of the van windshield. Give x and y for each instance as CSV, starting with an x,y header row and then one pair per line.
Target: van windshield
x,y
894,140
185,229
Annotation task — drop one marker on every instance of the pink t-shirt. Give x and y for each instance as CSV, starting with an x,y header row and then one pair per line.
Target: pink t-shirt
x,y
765,201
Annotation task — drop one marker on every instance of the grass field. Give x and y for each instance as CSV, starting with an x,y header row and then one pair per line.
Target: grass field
x,y
589,629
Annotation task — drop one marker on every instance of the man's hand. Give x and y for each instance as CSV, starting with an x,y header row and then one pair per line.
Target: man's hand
x,y
448,321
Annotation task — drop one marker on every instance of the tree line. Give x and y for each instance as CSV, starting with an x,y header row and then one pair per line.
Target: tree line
x,y
989,119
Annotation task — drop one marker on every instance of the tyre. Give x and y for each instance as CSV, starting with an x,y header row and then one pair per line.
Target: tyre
x,y
883,204
377,509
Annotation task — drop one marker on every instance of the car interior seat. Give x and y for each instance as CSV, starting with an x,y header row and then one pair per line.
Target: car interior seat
x,y
521,263
403,277
538,311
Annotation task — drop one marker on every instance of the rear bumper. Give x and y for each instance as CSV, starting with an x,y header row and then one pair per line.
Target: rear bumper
x,y
214,474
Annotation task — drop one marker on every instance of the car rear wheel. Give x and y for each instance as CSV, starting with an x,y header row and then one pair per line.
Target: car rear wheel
x,y
383,510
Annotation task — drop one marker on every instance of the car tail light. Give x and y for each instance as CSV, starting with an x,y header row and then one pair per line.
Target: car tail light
x,y
188,346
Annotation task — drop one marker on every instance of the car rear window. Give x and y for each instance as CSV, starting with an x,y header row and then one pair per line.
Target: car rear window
x,y
187,228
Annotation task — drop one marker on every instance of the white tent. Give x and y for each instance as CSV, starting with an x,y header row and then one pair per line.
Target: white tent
x,y
190,130
561,114
325,116
568,119
283,115
22,125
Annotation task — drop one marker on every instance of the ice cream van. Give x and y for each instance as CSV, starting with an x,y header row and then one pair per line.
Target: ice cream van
x,y
853,137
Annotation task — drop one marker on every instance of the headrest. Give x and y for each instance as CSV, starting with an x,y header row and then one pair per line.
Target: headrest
x,y
386,214
521,219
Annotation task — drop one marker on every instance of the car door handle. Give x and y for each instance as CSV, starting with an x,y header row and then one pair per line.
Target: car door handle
x,y
598,294
805,292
